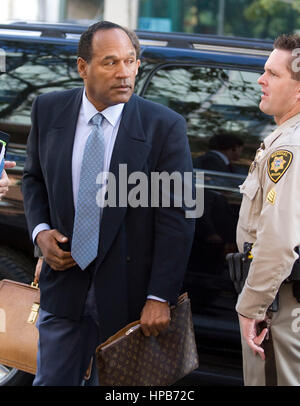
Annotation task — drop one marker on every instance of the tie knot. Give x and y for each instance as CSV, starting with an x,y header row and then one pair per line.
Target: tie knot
x,y
97,119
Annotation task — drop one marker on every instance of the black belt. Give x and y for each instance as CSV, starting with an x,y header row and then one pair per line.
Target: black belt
x,y
239,264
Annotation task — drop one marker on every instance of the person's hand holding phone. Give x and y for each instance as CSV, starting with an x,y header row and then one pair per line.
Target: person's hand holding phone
x,y
4,180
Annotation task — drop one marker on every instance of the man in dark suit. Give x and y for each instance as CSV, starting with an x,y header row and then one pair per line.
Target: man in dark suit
x,y
223,150
215,230
142,251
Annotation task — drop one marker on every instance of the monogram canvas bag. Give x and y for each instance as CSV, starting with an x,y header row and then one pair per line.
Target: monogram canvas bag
x,y
129,358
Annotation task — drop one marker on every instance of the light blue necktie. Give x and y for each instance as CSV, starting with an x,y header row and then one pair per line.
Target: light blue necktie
x,y
87,215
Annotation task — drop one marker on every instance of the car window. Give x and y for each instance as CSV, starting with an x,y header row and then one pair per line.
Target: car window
x,y
32,69
213,99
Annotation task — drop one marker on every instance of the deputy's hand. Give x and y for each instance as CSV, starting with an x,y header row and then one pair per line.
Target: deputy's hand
x,y
249,332
55,257
4,181
155,317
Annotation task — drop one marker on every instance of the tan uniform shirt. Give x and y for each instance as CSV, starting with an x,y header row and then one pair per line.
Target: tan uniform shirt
x,y
270,217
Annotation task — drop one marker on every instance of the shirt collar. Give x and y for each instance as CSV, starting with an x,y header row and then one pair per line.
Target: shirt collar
x,y
221,155
112,113
290,123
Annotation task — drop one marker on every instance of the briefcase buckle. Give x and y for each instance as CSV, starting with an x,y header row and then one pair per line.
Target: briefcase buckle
x,y
34,313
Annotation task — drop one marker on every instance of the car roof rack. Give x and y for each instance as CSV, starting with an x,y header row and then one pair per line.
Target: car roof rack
x,y
176,40
46,30
184,40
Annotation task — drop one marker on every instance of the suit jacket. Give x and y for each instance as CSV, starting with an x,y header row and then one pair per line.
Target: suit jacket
x,y
211,161
142,250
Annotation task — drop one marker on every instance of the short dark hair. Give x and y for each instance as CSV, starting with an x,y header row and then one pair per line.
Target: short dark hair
x,y
223,141
85,50
289,43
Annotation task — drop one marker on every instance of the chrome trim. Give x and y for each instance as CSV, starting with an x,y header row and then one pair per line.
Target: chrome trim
x,y
153,43
205,47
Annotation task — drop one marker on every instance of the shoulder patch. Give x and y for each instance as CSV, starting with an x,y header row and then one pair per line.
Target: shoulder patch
x,y
278,164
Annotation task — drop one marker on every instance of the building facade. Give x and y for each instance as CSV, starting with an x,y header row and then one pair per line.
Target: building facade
x,y
247,18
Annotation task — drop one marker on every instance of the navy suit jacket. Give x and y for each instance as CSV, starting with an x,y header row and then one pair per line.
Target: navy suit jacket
x,y
211,161
142,250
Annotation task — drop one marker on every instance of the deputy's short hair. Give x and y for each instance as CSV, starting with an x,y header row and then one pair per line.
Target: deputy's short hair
x,y
85,49
290,43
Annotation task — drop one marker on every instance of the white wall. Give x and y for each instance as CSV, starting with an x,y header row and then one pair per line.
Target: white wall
x,y
29,10
49,10
4,10
123,12
18,10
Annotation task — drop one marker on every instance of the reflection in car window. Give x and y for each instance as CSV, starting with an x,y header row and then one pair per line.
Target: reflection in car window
x,y
32,70
213,99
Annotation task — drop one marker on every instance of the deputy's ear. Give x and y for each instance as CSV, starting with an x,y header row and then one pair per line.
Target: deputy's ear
x,y
298,91
82,67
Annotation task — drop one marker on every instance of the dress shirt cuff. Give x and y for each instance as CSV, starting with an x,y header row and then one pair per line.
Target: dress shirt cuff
x,y
156,298
40,227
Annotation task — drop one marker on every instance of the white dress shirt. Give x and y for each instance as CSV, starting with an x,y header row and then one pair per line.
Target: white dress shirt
x,y
222,156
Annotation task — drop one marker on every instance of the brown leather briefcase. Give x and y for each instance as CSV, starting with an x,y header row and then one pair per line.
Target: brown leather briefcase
x,y
19,305
129,358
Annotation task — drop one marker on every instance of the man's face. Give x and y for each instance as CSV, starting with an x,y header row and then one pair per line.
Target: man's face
x,y
237,152
281,93
109,77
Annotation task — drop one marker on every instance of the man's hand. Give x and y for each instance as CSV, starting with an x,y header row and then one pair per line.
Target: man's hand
x,y
155,317
4,181
55,257
249,332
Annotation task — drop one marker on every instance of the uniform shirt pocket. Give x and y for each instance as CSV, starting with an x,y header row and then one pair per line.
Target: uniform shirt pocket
x,y
249,188
250,207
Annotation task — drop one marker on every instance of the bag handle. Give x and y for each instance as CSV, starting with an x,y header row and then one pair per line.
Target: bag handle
x,y
37,272
135,324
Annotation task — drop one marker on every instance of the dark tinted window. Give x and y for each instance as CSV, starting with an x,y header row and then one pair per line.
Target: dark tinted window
x,y
213,99
32,69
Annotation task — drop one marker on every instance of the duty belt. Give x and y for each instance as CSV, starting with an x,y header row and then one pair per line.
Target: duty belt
x,y
239,264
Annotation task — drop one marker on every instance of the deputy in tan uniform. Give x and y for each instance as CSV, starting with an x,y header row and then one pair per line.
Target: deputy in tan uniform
x,y
270,219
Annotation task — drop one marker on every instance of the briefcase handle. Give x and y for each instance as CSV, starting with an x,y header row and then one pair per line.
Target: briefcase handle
x,y
35,283
131,326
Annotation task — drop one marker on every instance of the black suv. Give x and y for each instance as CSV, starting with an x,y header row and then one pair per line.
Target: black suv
x,y
212,82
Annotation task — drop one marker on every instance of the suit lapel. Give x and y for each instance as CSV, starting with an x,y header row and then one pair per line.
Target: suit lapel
x,y
131,149
62,135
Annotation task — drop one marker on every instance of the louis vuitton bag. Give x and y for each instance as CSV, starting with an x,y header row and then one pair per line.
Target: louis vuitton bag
x,y
129,358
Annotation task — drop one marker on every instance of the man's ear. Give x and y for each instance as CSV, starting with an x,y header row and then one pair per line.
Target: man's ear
x,y
138,64
82,67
